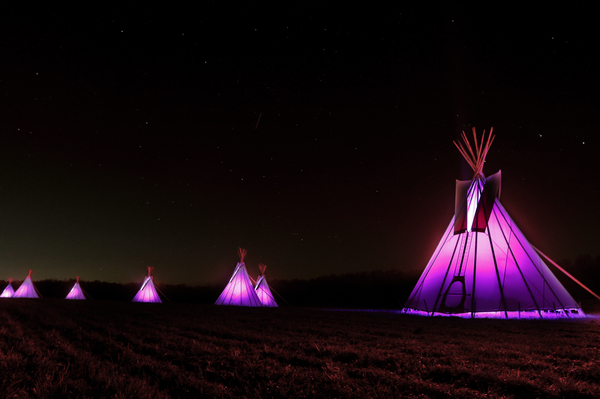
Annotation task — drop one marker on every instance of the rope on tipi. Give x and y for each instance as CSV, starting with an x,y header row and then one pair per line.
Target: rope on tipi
x,y
476,158
565,272
150,271
162,293
282,298
82,290
263,268
33,285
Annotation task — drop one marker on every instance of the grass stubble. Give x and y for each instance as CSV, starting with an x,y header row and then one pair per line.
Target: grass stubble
x,y
100,349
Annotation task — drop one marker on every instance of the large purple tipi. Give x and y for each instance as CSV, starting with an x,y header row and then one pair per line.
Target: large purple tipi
x,y
484,266
27,289
239,291
148,292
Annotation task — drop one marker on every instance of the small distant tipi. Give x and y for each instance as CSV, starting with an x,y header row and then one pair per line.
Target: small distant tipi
x,y
148,291
484,266
239,291
8,291
76,292
262,289
27,289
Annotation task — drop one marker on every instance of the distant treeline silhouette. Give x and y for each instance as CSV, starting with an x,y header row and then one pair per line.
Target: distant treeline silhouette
x,y
377,289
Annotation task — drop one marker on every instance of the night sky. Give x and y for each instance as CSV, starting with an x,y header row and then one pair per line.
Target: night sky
x,y
317,137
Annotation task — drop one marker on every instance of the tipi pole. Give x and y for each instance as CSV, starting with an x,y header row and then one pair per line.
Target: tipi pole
x,y
435,304
565,272
498,275
458,242
474,279
513,255
416,293
496,266
532,261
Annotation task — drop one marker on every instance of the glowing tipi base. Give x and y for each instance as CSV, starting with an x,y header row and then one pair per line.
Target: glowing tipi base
x,y
525,314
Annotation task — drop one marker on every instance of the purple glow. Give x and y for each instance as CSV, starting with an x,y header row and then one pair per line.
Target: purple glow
x,y
27,289
495,273
264,292
530,314
8,291
148,292
76,292
239,291
559,314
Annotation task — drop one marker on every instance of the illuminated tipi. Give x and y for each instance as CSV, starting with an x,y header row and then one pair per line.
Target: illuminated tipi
x,y
262,289
239,291
76,292
484,266
148,292
8,291
27,289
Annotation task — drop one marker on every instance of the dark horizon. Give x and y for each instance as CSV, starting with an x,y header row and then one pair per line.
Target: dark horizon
x,y
375,289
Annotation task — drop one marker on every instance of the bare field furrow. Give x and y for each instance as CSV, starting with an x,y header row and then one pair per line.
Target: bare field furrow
x,y
56,348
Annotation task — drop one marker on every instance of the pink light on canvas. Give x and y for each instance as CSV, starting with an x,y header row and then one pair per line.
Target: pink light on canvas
x,y
8,291
239,291
27,289
147,292
264,293
76,292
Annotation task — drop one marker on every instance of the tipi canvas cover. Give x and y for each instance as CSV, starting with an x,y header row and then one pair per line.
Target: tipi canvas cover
x,y
148,292
76,292
239,291
8,291
262,289
484,266
27,289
